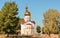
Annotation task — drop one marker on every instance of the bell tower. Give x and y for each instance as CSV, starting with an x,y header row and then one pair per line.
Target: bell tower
x,y
27,15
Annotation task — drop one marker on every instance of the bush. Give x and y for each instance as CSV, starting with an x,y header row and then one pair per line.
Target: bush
x,y
59,35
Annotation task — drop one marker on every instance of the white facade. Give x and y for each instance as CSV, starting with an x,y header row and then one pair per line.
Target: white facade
x,y
27,28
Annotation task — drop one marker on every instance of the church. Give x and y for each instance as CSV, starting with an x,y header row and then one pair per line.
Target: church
x,y
27,26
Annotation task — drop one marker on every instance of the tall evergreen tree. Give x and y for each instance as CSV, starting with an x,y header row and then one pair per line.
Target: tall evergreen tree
x,y
10,21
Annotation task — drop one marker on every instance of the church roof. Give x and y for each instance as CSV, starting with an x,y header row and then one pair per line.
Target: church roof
x,y
33,22
22,22
29,24
27,13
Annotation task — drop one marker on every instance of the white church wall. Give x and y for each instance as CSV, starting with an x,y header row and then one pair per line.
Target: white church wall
x,y
22,29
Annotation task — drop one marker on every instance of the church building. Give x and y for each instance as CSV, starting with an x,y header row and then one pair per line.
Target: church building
x,y
27,26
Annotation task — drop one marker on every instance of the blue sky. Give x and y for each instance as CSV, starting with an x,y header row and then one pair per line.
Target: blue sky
x,y
36,8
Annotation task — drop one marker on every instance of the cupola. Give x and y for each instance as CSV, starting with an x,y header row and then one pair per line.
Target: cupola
x,y
27,13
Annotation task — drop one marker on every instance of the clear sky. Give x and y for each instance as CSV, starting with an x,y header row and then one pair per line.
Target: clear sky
x,y
36,8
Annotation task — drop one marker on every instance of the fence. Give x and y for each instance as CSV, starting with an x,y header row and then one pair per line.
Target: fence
x,y
35,36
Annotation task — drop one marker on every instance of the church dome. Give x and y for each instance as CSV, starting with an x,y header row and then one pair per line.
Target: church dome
x,y
27,13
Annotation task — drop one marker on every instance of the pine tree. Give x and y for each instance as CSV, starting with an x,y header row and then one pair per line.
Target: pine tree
x,y
10,21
